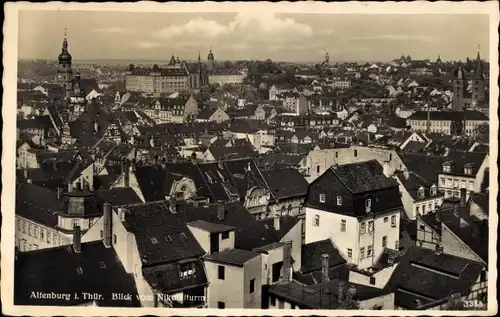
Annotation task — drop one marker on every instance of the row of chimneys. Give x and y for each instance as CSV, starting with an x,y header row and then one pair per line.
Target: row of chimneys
x,y
107,228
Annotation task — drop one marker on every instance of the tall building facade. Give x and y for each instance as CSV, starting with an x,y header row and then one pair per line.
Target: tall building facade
x,y
210,62
465,95
64,70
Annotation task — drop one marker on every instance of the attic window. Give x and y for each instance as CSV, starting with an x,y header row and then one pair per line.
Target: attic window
x,y
433,190
168,238
368,204
421,192
102,265
339,200
322,198
79,271
154,241
183,235
447,167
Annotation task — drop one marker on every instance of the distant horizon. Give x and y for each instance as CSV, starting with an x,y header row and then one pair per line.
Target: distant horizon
x,y
113,35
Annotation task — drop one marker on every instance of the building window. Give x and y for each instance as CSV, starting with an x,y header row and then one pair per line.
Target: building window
x,y
222,275
386,219
370,226
225,235
423,209
102,234
384,242
75,222
369,251
322,198
355,153
363,227
316,221
221,305
396,245
339,200
368,203
252,286
372,280
42,234
36,232
343,225
362,253
393,221
317,169
114,239
349,253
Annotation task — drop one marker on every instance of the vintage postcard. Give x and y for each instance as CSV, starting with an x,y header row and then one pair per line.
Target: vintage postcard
x,y
237,158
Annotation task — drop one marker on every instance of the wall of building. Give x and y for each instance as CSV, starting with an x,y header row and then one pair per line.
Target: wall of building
x,y
384,302
31,235
454,246
253,271
381,277
426,237
329,228
230,290
295,235
273,256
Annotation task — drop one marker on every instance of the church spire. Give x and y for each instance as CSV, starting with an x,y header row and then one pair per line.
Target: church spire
x,y
478,72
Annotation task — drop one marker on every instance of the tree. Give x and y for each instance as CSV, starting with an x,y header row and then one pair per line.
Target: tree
x,y
483,129
131,67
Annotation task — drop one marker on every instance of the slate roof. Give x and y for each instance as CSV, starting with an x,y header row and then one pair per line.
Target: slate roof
x,y
423,272
285,183
286,224
415,162
155,220
38,204
167,279
210,227
266,161
232,152
449,115
206,113
102,273
413,183
362,177
312,252
117,196
461,159
39,122
236,257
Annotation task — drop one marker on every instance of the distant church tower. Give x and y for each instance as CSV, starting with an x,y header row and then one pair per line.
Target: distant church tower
x,y
459,85
478,83
211,62
327,59
64,71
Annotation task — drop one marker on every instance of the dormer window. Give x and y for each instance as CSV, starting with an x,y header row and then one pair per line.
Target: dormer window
x,y
447,167
433,190
339,200
368,203
322,198
468,168
421,192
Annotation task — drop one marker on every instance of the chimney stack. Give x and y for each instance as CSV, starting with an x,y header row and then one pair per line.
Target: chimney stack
x,y
341,291
86,187
463,197
455,211
77,240
325,265
126,173
59,192
220,211
173,204
287,262
107,224
276,221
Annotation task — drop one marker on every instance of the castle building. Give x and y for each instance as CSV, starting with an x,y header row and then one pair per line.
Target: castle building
x,y
64,71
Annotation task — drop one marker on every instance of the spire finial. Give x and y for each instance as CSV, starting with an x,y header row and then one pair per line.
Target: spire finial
x,y
65,32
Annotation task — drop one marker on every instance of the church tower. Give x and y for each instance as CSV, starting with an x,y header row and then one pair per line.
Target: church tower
x,y
459,85
478,83
64,71
211,61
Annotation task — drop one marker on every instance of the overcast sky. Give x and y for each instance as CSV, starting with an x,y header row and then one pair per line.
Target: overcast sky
x,y
290,37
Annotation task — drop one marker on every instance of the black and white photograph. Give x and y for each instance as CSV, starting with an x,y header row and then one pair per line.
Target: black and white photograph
x,y
249,158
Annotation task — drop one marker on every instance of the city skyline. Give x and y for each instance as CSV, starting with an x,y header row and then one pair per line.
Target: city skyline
x,y
239,36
